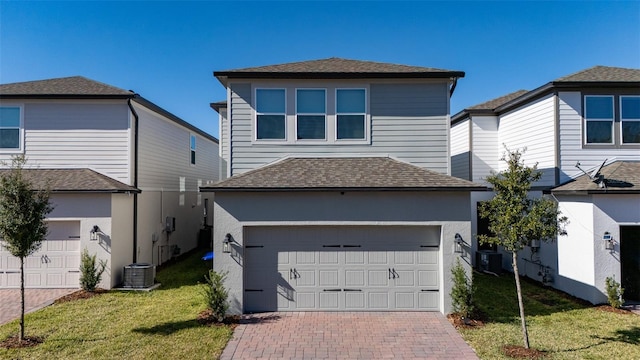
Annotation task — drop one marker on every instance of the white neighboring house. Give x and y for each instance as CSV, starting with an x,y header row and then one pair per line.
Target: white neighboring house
x,y
337,194
123,173
588,117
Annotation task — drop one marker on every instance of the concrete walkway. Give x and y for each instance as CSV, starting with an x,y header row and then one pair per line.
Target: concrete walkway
x,y
34,299
347,335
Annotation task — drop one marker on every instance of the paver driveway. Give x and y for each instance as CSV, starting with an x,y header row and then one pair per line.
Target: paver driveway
x,y
347,335
34,299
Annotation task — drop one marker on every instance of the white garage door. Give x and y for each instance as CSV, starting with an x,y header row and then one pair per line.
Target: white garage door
x,y
341,268
55,265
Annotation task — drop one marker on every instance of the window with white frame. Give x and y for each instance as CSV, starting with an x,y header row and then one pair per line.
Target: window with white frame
x,y
630,119
311,108
599,117
351,114
192,145
270,114
10,128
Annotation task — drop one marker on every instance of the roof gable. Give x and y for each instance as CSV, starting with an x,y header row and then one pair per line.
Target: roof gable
x,y
348,173
63,87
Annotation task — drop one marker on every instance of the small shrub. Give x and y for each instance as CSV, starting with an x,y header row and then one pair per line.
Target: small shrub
x,y
614,292
462,291
90,271
216,295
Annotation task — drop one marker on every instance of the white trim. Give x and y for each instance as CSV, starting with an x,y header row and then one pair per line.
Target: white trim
x,y
324,140
622,120
21,133
367,119
256,113
612,119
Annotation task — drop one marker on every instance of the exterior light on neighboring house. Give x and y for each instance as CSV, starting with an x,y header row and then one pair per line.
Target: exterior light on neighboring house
x,y
226,248
94,233
608,240
458,244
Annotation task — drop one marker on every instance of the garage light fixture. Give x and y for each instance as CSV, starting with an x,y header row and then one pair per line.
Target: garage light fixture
x,y
94,233
458,244
226,248
608,240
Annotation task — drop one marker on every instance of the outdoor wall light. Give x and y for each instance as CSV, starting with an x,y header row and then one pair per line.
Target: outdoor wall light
x,y
458,244
226,248
608,240
94,233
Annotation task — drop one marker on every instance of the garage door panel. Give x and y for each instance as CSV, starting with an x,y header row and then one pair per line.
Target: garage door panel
x,y
378,300
404,257
328,258
355,301
428,279
32,279
54,244
354,277
328,278
406,278
55,279
354,258
405,300
428,300
305,278
306,300
305,258
31,263
378,258
428,257
329,300
378,277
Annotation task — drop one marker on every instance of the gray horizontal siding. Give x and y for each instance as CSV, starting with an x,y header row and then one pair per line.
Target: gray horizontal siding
x,y
408,121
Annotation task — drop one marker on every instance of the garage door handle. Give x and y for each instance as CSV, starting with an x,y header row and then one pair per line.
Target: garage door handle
x,y
332,290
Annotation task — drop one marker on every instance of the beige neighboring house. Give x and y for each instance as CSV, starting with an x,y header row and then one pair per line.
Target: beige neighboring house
x,y
123,173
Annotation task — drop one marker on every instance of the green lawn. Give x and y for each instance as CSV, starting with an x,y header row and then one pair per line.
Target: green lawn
x,y
564,328
160,324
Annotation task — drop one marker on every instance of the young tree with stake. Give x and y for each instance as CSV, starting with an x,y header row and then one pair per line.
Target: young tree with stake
x,y
515,219
22,219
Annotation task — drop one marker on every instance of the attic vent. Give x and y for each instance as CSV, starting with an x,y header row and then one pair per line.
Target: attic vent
x,y
139,275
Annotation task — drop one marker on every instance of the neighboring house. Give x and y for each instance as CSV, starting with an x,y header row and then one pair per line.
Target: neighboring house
x,y
588,117
338,195
123,174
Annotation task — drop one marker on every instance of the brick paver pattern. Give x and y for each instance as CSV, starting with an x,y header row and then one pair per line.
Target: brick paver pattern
x,y
347,335
34,299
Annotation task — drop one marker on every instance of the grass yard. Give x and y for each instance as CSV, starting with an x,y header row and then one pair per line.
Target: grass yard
x,y
560,326
160,324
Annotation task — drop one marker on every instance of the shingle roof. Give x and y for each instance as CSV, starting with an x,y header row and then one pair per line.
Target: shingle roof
x,y
349,173
494,103
336,68
73,180
622,177
68,86
603,74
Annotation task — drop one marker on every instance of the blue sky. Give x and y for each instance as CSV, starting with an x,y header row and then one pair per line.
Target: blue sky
x,y
167,51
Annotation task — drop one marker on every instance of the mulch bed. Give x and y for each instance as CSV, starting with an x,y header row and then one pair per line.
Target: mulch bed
x,y
207,318
464,323
28,341
609,308
520,352
80,294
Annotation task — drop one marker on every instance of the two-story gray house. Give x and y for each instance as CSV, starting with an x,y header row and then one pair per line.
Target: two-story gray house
x,y
123,174
338,194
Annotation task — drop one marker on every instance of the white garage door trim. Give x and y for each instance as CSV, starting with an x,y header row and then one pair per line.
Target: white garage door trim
x,y
55,265
341,268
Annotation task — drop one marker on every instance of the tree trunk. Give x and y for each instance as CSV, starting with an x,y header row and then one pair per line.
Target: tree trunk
x,y
21,336
525,334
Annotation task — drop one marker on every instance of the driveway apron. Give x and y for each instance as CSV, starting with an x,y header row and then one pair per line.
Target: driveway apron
x,y
34,299
347,335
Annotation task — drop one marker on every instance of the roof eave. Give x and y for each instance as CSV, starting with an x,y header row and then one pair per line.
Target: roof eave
x,y
223,75
65,96
101,191
467,113
345,189
594,192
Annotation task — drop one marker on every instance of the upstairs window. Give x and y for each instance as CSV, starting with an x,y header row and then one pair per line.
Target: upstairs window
x,y
350,114
10,128
270,114
599,117
311,110
192,145
630,119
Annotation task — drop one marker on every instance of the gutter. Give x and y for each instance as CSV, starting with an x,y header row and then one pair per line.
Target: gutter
x,y
135,180
453,86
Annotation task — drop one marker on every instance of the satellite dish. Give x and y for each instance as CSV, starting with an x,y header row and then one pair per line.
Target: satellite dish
x,y
595,175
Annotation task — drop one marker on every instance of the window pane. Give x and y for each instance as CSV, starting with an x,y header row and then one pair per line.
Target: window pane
x,y
9,117
631,132
193,142
193,157
630,107
271,127
599,107
311,127
270,100
310,102
10,138
351,101
599,132
351,127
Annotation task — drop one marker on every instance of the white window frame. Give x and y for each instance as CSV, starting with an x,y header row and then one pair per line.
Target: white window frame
x,y
193,145
256,113
367,118
622,120
612,119
326,125
20,148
